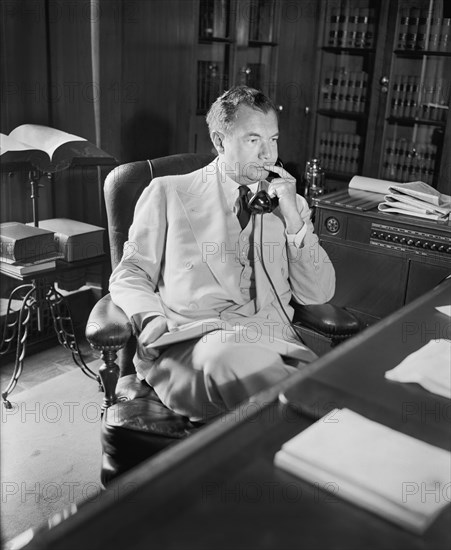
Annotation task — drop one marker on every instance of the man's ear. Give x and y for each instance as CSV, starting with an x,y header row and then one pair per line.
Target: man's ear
x,y
218,141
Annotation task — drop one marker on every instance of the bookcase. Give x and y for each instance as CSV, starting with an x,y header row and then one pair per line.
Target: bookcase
x,y
236,44
382,107
418,95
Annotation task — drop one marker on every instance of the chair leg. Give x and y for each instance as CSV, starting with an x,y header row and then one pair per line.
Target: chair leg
x,y
109,375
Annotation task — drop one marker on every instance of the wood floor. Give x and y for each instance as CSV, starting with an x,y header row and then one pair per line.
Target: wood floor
x,y
44,365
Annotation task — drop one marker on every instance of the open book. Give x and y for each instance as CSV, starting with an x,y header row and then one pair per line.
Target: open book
x,y
414,198
48,150
391,474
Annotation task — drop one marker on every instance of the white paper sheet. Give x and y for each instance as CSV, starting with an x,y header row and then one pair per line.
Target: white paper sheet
x,y
430,366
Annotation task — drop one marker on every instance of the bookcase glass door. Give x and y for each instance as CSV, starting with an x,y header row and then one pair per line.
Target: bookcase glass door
x,y
257,31
213,59
236,45
418,89
347,55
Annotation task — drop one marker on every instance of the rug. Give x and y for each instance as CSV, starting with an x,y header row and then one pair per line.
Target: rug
x,y
50,450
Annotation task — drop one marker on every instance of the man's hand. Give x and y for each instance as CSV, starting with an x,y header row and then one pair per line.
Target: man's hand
x,y
284,187
153,330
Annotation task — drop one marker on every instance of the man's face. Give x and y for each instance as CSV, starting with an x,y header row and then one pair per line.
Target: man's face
x,y
250,145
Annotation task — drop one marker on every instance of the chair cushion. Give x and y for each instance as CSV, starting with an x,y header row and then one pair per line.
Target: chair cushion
x,y
328,320
137,427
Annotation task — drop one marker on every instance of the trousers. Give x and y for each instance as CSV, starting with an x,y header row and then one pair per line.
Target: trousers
x,y
204,377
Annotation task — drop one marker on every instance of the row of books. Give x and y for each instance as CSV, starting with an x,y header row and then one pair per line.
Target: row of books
x,y
410,98
26,249
418,29
408,161
339,152
351,28
344,90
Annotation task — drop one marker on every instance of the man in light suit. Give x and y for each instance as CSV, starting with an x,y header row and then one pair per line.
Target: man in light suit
x,y
196,259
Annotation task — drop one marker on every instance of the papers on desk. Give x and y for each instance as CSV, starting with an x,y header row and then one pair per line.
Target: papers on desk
x,y
446,310
387,472
430,366
414,198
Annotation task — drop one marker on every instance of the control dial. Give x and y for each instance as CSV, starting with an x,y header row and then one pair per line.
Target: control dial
x,y
332,225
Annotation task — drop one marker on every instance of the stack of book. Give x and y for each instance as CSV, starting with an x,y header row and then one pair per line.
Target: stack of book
x,y
26,250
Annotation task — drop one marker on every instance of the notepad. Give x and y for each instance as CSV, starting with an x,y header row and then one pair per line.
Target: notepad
x,y
396,476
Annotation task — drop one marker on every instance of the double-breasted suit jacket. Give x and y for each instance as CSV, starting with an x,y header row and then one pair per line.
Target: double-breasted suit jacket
x,y
183,258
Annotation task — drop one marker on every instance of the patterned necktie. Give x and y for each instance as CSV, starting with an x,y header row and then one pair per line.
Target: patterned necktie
x,y
243,213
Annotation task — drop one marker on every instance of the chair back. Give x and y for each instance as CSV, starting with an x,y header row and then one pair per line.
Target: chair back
x,y
124,185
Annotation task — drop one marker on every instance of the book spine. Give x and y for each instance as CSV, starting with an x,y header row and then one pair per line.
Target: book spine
x,y
25,249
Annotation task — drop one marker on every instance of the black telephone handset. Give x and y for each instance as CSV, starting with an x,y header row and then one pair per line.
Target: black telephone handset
x,y
261,202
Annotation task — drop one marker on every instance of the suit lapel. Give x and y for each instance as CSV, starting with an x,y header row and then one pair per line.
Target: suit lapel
x,y
202,202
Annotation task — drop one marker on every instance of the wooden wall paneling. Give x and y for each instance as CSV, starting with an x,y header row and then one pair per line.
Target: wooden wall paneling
x,y
72,103
297,74
114,91
157,60
23,94
23,61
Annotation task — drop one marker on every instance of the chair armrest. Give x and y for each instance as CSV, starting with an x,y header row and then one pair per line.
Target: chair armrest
x,y
108,330
326,319
108,327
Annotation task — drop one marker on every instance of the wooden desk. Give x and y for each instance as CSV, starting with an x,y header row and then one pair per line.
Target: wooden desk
x,y
219,488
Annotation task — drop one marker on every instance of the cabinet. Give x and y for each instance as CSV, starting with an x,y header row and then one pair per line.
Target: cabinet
x,y
236,44
382,261
382,107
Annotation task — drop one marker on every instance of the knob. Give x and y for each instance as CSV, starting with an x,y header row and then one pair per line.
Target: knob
x,y
441,248
418,244
280,108
384,82
426,245
381,235
448,250
395,239
402,240
374,233
332,225
388,237
433,246
306,111
410,242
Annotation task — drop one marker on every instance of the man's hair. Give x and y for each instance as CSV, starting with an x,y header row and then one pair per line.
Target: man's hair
x,y
222,114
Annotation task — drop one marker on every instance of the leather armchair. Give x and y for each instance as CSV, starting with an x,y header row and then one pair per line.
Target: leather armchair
x,y
135,423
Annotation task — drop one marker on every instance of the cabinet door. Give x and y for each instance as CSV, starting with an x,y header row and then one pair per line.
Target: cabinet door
x,y
414,132
344,116
237,44
384,92
212,65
